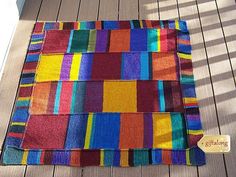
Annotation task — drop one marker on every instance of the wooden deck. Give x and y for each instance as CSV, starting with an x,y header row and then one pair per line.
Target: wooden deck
x,y
212,25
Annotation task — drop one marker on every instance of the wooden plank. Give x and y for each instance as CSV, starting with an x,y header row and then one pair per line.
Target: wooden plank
x,y
168,9
128,10
222,78
68,10
11,74
123,172
155,170
203,83
96,171
108,10
34,171
148,9
12,171
88,10
49,10
63,171
179,171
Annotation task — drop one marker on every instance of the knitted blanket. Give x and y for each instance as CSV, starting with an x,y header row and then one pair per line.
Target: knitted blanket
x,y
106,93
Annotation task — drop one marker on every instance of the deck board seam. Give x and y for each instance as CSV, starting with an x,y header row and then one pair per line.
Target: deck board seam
x,y
158,9
59,8
25,171
77,17
98,12
138,9
118,9
177,4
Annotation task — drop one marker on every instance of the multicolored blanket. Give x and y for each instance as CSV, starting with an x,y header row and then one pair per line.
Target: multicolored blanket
x,y
106,93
